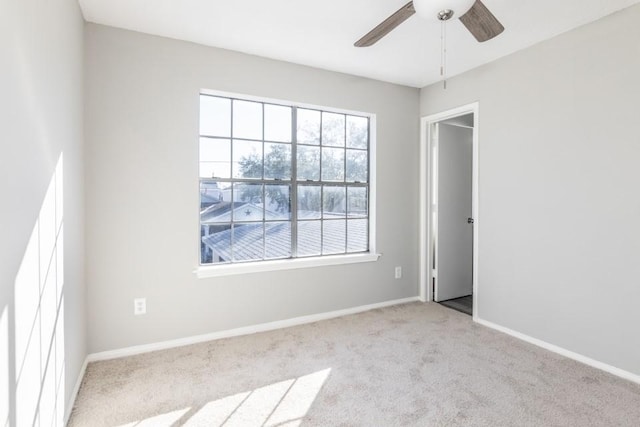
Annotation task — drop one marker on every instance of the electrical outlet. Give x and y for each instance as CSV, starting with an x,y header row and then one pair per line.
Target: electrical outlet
x,y
398,272
139,306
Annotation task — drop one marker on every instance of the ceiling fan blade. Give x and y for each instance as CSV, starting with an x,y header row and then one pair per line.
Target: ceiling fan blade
x,y
481,22
385,27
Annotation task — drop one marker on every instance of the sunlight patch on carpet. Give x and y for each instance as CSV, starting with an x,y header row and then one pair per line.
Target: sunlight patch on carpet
x,y
162,420
282,403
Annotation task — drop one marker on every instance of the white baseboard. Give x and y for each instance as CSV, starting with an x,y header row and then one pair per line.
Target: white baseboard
x,y
139,349
76,389
563,352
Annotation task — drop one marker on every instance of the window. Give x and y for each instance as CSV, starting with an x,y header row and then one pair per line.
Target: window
x,y
280,181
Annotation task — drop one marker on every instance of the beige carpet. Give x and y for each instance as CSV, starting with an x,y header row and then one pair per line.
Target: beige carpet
x,y
415,365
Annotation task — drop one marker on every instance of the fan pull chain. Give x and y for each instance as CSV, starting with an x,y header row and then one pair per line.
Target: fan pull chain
x,y
443,52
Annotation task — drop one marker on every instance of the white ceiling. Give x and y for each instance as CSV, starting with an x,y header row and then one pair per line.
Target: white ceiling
x,y
321,33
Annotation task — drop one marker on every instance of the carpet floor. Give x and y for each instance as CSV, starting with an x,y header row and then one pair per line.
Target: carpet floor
x,y
409,365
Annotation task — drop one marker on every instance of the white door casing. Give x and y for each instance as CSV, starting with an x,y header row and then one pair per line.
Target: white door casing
x,y
427,192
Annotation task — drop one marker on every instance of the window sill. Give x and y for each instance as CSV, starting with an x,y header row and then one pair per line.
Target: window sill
x,y
284,264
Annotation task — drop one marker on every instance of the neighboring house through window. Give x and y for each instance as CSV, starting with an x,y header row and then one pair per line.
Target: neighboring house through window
x,y
281,181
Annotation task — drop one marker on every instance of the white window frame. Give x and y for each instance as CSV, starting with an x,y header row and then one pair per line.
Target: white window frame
x,y
229,269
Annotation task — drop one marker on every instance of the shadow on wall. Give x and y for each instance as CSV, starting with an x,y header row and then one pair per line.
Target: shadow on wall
x,y
32,359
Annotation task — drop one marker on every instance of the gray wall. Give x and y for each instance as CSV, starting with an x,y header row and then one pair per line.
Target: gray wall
x,y
41,120
142,203
559,207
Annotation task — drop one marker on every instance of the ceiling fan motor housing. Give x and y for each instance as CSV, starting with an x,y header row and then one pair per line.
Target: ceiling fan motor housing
x,y
430,9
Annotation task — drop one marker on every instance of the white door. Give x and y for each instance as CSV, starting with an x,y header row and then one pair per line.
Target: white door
x,y
454,241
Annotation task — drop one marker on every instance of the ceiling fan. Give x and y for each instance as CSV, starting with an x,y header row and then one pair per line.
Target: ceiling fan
x,y
473,14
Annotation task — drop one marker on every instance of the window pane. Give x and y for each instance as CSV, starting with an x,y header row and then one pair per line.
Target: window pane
x,y
217,214
207,169
357,232
357,166
357,202
215,158
308,126
277,161
309,206
333,129
212,193
247,159
277,240
333,202
309,238
247,119
216,243
332,164
247,202
334,237
277,123
308,163
248,242
357,132
215,116
278,204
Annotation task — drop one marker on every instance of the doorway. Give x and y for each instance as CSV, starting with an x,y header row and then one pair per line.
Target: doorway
x,y
449,209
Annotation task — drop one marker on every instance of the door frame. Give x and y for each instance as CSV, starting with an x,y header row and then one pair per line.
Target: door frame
x,y
426,202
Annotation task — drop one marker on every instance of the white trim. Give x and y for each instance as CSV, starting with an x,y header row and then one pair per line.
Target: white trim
x,y
425,273
423,220
373,190
76,389
247,330
283,102
563,352
282,264
476,202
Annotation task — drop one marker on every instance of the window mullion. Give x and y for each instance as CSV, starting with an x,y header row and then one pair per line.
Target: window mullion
x,y
233,191
263,192
264,221
344,183
321,184
293,193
